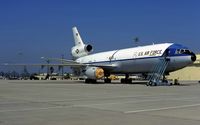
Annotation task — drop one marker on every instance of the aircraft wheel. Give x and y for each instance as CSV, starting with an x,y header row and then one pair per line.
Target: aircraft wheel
x,y
87,81
107,80
149,83
90,80
129,80
122,80
126,80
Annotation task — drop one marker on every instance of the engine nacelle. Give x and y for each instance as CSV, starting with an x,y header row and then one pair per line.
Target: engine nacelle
x,y
81,50
94,72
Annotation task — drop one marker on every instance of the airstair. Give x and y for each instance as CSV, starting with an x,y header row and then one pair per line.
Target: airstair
x,y
156,76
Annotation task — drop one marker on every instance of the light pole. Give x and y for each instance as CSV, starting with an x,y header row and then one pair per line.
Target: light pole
x,y
62,67
136,40
47,61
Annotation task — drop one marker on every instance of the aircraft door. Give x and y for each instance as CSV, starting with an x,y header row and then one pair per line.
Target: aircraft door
x,y
166,53
112,57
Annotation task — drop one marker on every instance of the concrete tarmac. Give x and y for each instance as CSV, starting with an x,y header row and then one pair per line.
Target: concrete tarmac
x,y
76,103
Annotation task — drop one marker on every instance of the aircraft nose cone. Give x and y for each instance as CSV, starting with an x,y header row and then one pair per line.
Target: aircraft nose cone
x,y
193,57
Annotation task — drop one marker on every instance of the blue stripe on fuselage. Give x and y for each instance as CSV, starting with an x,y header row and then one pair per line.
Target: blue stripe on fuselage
x,y
132,59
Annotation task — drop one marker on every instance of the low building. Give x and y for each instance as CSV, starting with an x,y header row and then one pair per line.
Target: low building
x,y
191,72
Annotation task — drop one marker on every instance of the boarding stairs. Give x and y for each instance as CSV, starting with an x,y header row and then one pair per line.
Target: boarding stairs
x,y
155,77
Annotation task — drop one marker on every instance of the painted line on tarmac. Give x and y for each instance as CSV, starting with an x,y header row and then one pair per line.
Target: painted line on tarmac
x,y
34,109
88,99
160,109
136,101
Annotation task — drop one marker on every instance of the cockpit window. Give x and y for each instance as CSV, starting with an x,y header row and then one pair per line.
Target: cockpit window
x,y
187,51
183,51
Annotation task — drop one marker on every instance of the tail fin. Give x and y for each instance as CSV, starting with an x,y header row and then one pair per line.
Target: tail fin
x,y
77,37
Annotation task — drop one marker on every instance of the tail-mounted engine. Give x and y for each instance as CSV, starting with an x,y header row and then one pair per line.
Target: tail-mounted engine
x,y
81,50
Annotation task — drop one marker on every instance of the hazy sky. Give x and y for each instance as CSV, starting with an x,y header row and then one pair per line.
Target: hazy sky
x,y
30,29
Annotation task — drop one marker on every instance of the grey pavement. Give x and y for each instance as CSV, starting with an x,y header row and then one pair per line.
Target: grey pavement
x,y
76,103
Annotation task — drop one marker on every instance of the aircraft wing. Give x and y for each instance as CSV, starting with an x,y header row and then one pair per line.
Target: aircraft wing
x,y
76,64
65,62
73,65
62,60
104,66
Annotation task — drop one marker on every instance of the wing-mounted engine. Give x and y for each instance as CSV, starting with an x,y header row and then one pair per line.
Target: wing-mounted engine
x,y
81,50
94,73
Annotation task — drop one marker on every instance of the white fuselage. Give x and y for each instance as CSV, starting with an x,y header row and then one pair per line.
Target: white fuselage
x,y
136,60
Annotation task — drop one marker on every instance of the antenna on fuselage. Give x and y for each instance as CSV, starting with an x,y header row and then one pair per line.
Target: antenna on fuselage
x,y
136,40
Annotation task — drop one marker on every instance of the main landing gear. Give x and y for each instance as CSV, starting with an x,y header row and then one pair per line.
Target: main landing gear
x,y
107,79
126,79
90,81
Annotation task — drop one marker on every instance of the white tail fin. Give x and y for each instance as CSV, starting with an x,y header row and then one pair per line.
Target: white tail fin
x,y
77,37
